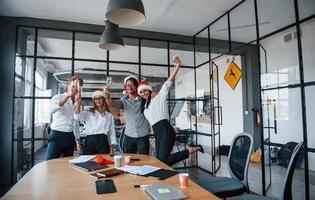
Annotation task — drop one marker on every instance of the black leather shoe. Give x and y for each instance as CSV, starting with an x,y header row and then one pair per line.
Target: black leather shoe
x,y
198,145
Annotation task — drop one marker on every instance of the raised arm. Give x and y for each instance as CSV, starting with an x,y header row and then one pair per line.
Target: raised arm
x,y
109,99
77,109
168,84
177,64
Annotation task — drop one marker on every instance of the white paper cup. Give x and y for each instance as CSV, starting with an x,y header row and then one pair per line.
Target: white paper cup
x,y
117,160
127,159
183,180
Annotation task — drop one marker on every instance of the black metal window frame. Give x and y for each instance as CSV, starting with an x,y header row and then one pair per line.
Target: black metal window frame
x,y
106,61
301,85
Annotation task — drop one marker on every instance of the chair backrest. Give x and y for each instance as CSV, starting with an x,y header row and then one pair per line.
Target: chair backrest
x,y
239,155
287,187
122,140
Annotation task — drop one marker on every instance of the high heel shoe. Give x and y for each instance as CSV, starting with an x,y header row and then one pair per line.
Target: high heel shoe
x,y
197,145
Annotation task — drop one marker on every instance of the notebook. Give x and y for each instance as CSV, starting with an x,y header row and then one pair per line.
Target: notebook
x,y
164,192
89,166
163,174
107,173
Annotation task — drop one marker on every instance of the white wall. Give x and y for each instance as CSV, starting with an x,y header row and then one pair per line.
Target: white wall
x,y
230,100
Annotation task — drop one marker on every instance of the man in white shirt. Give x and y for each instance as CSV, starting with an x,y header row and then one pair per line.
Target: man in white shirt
x,y
61,140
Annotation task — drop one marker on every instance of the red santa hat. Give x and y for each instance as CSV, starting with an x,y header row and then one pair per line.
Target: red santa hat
x,y
98,93
144,85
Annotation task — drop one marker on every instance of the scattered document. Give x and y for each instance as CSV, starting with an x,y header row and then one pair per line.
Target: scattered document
x,y
139,170
128,168
81,159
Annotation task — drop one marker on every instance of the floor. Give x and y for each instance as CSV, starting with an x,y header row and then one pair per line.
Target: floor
x,y
254,176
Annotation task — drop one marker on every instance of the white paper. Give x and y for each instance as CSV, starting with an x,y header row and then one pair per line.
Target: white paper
x,y
129,168
140,170
83,158
146,169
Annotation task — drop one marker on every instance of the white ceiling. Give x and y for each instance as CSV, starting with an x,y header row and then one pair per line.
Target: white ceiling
x,y
184,17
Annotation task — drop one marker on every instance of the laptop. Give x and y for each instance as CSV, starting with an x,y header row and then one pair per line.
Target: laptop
x,y
164,192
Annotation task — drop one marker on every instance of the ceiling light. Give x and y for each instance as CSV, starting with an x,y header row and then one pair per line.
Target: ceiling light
x,y
111,39
125,12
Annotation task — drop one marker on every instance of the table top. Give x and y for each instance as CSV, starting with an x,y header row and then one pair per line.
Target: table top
x,y
59,179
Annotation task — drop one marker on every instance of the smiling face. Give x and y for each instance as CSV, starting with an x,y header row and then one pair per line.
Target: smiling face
x,y
99,101
72,88
145,94
75,83
131,87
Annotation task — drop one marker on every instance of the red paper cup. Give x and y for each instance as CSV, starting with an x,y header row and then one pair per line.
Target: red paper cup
x,y
183,180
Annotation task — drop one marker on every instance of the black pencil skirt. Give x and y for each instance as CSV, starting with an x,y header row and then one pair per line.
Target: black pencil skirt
x,y
164,142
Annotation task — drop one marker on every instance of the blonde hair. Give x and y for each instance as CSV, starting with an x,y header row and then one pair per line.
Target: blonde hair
x,y
74,78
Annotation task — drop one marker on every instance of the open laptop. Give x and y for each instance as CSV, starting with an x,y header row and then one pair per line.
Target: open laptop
x,y
164,192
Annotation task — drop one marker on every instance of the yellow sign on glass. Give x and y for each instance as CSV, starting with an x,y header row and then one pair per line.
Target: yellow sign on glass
x,y
233,75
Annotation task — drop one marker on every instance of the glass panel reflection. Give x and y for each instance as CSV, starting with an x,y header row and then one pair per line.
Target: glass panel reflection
x,y
202,47
308,49
54,43
279,60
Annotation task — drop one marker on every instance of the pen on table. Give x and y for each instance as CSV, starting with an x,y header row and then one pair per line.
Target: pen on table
x,y
141,186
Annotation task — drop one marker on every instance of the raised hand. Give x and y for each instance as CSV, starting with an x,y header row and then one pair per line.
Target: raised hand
x,y
77,98
176,61
177,64
106,89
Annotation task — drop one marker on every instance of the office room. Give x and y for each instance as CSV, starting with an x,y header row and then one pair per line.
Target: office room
x,y
168,99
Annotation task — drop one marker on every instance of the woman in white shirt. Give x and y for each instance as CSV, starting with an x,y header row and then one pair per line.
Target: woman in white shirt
x,y
155,109
100,128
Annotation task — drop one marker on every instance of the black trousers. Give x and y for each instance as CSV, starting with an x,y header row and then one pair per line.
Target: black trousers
x,y
164,142
60,144
95,144
136,145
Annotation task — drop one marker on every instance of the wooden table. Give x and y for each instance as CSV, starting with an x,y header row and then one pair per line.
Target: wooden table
x,y
58,179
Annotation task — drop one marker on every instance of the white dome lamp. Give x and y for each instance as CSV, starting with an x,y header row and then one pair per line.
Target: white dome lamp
x,y
111,38
125,12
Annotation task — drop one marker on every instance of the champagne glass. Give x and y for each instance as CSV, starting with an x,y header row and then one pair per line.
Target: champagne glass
x,y
79,87
107,84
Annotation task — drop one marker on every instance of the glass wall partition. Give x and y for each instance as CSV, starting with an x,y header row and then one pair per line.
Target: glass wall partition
x,y
219,36
285,44
202,47
242,24
46,58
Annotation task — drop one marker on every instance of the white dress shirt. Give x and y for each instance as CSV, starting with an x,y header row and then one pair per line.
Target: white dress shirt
x,y
96,123
62,117
158,108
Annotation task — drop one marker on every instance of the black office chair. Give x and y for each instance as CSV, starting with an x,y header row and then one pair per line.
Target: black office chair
x,y
287,188
238,161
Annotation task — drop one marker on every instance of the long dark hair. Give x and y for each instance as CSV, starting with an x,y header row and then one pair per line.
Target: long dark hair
x,y
145,102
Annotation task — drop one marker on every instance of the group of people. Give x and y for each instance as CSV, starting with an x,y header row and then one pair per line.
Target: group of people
x,y
142,108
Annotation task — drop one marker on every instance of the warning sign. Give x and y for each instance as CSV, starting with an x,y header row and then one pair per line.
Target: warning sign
x,y
233,75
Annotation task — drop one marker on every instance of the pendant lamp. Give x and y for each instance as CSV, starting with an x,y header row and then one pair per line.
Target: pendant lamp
x,y
111,39
125,12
